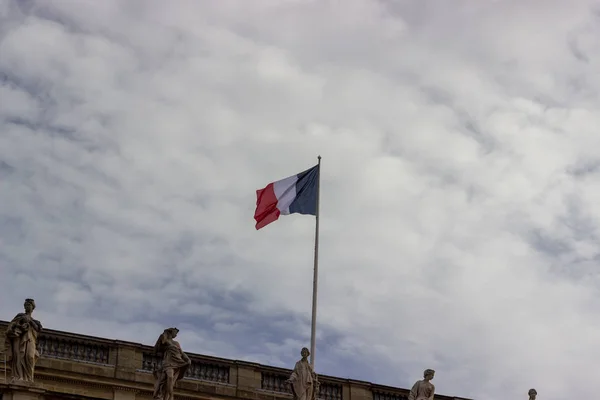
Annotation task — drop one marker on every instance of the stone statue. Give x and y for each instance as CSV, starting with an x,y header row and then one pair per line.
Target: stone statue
x,y
304,382
21,342
532,394
174,364
424,389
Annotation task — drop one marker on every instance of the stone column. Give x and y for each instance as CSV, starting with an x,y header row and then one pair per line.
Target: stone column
x,y
127,361
248,376
248,379
357,390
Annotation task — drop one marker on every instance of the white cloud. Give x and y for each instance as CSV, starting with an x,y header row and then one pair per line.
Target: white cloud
x,y
460,182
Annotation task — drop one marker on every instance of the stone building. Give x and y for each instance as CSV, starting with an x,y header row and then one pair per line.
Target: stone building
x,y
78,367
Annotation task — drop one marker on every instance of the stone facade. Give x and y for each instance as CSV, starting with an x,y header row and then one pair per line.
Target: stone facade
x,y
83,367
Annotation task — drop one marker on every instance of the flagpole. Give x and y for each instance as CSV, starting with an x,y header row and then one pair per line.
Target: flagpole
x,y
315,274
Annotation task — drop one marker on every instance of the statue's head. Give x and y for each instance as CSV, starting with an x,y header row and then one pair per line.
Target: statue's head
x,y
29,305
304,352
532,394
172,332
428,374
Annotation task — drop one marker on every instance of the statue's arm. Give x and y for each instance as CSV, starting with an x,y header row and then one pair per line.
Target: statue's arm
x,y
14,322
185,357
159,343
37,324
293,375
432,392
16,318
413,392
312,372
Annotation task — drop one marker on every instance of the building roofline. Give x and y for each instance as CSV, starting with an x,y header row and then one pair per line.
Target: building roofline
x,y
227,362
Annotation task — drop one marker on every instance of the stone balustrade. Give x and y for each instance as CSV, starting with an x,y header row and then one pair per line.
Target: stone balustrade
x,y
71,349
199,369
330,391
381,394
101,363
275,382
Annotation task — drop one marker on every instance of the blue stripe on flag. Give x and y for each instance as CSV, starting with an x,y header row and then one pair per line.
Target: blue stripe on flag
x,y
306,192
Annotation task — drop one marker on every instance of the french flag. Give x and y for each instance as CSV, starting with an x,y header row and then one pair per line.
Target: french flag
x,y
296,194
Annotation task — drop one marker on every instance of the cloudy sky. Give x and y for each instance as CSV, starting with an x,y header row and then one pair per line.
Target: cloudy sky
x,y
460,212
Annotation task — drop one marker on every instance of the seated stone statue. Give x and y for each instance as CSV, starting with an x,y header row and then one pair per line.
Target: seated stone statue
x,y
424,389
304,382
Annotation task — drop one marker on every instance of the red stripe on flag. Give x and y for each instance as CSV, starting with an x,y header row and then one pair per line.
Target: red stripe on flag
x,y
266,207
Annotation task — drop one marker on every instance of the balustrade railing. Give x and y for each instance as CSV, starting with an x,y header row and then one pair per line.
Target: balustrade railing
x,y
199,370
55,347
150,362
276,382
382,395
330,391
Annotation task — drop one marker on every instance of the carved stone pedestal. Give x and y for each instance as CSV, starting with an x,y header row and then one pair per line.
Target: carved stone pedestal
x,y
23,391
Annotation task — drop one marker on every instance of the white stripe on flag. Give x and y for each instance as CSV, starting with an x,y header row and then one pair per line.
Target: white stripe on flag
x,y
285,191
